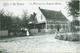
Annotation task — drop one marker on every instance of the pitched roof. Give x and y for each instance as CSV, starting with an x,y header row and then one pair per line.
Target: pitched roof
x,y
53,15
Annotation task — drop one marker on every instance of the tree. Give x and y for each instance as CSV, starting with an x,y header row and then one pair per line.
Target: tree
x,y
1,19
5,20
74,11
16,24
74,8
24,19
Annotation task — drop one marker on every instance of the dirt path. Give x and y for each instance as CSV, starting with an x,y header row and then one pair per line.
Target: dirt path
x,y
38,44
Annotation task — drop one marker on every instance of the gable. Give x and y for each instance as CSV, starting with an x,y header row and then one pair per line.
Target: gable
x,y
40,17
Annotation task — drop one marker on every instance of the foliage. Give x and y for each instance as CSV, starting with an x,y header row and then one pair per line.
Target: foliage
x,y
32,21
32,17
75,24
74,8
74,11
68,37
24,19
5,20
16,24
8,22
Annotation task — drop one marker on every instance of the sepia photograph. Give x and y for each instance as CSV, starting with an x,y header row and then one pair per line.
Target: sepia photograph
x,y
39,26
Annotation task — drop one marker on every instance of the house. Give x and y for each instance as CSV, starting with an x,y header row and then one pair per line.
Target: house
x,y
51,19
54,18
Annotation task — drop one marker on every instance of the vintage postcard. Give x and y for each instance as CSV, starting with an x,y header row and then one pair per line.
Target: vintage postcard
x,y
39,26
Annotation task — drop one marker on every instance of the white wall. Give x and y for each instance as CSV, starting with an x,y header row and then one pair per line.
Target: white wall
x,y
40,17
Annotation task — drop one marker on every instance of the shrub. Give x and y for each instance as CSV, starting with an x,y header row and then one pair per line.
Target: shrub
x,y
75,23
68,37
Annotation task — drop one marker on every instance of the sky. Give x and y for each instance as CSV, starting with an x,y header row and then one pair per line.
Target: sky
x,y
17,7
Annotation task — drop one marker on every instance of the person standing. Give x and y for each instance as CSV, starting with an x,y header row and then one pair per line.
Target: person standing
x,y
27,32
